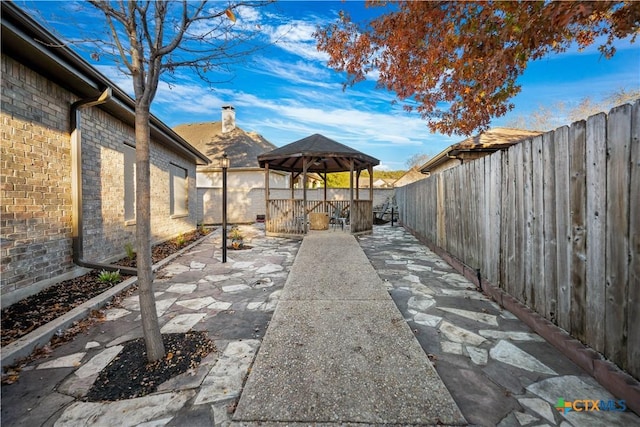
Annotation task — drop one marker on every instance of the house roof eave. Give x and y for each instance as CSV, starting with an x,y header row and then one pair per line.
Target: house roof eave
x,y
483,142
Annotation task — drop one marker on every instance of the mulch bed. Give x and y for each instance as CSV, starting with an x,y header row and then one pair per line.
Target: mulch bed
x,y
21,318
26,315
129,375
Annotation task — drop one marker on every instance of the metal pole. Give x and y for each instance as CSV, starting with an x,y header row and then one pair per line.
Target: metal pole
x,y
224,207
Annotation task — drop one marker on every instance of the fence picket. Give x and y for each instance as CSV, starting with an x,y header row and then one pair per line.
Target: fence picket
x,y
441,213
495,211
563,233
537,227
633,335
527,225
519,218
596,220
617,272
577,207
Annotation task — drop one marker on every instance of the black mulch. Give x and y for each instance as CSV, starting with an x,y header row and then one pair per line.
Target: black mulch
x,y
129,375
30,313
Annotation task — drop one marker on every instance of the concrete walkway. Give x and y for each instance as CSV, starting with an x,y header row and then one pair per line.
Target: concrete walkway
x,y
338,350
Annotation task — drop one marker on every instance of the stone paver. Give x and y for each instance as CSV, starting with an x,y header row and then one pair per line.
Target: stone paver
x,y
498,371
502,374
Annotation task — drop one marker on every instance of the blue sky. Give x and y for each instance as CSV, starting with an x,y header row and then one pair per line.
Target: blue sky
x,y
285,92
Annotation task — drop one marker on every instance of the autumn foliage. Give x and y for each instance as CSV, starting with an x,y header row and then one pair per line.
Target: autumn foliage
x,y
457,63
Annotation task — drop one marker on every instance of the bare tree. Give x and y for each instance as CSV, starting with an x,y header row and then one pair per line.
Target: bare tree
x,y
549,117
149,39
588,107
417,160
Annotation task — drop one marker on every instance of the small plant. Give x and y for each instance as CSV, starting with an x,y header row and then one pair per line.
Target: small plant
x,y
237,238
180,240
131,253
202,229
112,277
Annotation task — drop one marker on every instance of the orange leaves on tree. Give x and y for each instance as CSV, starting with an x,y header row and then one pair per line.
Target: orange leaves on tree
x,y
458,62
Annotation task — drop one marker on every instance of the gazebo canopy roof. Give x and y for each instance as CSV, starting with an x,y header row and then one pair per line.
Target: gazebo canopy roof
x,y
323,155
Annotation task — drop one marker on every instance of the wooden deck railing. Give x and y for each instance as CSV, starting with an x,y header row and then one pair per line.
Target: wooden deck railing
x,y
285,216
361,216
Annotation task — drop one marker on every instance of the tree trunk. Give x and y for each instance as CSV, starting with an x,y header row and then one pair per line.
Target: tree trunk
x,y
150,326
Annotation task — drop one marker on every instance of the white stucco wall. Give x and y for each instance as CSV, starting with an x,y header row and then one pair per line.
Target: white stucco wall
x,y
243,205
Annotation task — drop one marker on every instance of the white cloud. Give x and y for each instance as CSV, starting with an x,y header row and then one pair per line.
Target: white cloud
x,y
248,14
299,72
296,37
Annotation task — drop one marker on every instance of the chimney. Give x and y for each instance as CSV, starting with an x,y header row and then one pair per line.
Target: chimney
x,y
228,118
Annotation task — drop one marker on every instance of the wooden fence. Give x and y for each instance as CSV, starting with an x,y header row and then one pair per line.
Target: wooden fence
x,y
555,222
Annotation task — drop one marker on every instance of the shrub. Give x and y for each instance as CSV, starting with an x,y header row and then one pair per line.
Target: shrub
x,y
180,240
112,277
131,253
237,238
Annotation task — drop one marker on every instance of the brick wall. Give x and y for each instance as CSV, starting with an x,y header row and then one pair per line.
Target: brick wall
x,y
106,233
35,182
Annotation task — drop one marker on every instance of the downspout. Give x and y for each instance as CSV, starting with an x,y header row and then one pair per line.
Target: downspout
x,y
77,226
449,156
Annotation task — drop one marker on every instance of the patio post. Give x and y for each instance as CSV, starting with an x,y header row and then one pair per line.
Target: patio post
x,y
266,194
370,169
225,164
351,193
305,166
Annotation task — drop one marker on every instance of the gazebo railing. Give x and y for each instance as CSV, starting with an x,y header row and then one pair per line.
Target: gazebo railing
x,y
286,216
361,216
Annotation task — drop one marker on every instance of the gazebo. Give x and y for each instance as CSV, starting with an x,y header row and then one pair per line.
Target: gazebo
x,y
319,155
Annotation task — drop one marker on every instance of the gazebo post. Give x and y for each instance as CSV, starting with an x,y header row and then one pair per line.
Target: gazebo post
x,y
370,169
266,195
291,185
358,184
305,166
326,208
351,192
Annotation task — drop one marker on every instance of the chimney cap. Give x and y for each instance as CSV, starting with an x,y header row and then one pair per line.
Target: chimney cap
x,y
228,107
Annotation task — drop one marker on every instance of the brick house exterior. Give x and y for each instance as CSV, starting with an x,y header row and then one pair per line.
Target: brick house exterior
x,y
39,86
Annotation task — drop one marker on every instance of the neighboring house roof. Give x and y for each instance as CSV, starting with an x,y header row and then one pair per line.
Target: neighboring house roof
x,y
412,175
27,41
331,156
242,148
489,141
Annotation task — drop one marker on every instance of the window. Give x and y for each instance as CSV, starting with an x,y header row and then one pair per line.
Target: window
x,y
179,190
129,183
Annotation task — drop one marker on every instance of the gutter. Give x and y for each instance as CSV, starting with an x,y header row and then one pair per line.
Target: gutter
x,y
77,225
435,161
455,157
